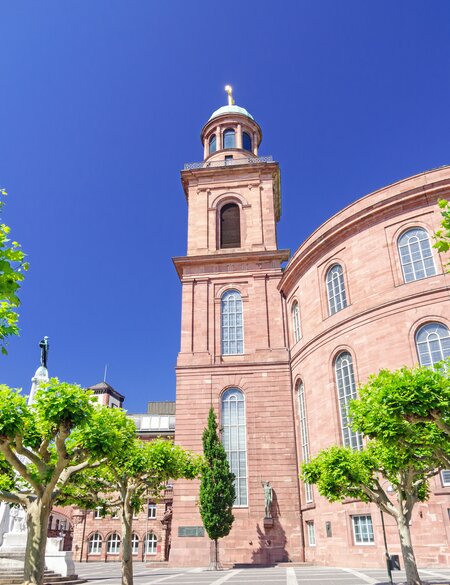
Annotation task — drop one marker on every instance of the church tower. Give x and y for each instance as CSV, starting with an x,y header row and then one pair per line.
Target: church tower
x,y
234,349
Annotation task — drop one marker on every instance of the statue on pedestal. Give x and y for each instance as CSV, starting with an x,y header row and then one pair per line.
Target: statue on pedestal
x,y
45,346
41,374
268,498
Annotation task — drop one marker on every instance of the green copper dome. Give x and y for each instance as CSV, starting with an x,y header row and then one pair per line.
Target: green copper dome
x,y
231,110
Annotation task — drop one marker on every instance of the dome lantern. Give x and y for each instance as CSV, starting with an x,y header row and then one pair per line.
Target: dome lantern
x,y
231,132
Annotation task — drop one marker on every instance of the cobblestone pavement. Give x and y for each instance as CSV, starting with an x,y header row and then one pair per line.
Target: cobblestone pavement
x,y
109,574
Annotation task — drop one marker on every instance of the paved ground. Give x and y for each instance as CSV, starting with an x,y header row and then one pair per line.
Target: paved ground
x,y
109,574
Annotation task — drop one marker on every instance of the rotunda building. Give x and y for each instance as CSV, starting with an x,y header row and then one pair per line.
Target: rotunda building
x,y
366,291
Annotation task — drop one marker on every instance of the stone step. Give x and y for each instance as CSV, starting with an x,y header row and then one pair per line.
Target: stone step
x,y
16,571
294,564
19,573
50,578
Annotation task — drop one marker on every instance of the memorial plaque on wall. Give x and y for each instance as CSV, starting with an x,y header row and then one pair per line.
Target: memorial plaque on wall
x,y
191,531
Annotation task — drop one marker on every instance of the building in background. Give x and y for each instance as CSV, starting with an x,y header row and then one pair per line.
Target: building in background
x,y
97,537
279,352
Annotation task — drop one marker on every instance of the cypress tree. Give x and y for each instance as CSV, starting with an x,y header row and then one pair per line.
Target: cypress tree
x,y
217,492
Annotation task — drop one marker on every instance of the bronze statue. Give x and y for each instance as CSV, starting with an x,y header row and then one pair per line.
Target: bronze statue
x,y
268,497
45,346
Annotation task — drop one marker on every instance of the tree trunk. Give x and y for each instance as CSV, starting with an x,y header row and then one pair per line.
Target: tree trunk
x,y
216,555
38,513
127,553
409,560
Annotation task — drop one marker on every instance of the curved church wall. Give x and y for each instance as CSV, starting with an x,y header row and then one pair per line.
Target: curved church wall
x,y
377,329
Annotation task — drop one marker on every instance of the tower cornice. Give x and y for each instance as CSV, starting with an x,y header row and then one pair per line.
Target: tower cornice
x,y
226,259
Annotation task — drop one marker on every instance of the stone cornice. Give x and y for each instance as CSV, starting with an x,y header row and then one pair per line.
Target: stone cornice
x,y
217,260
374,313
412,193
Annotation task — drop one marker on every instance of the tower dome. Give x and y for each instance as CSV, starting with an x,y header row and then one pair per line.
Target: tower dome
x,y
233,109
231,133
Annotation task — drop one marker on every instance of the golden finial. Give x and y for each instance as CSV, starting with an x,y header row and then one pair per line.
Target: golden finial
x,y
229,91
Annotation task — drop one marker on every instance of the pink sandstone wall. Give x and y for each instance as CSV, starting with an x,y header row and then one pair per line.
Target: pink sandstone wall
x,y
378,329
262,373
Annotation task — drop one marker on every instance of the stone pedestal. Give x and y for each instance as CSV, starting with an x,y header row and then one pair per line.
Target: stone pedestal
x,y
268,522
57,560
12,551
12,555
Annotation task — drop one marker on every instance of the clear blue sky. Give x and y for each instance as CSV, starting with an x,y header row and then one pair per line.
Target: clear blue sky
x,y
102,101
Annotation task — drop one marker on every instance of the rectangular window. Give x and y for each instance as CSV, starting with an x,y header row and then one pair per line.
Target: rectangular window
x,y
98,513
445,476
363,529
311,533
151,511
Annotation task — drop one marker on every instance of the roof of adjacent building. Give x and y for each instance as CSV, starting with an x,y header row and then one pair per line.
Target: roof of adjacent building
x,y
231,110
162,407
105,388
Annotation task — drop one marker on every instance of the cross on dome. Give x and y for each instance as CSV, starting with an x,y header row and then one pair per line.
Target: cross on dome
x,y
229,91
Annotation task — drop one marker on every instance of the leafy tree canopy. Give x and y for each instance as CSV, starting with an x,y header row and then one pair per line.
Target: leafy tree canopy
x,y
12,268
442,236
126,479
43,445
410,407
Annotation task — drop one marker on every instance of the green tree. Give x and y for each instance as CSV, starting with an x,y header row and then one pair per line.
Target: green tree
x,y
12,267
400,454
125,481
442,236
391,403
217,491
45,444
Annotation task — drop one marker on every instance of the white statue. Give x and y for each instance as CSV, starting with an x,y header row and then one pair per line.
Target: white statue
x,y
17,522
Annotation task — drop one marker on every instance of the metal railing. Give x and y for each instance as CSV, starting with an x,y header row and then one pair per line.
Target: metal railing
x,y
251,160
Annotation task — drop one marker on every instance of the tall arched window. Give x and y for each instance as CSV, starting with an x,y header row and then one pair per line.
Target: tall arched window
x,y
304,436
232,323
230,226
134,544
433,343
337,299
296,322
234,440
415,255
113,544
246,141
151,543
212,144
95,544
229,138
345,381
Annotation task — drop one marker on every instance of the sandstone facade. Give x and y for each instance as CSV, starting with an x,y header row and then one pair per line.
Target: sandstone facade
x,y
377,328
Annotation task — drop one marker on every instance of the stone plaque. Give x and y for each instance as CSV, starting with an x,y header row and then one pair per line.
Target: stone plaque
x,y
191,531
